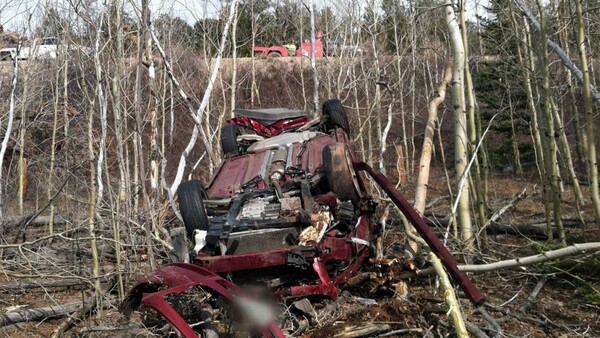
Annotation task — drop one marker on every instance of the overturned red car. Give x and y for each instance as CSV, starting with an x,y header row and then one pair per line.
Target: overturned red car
x,y
286,210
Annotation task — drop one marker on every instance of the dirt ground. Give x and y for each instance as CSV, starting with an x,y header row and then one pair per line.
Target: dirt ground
x,y
568,304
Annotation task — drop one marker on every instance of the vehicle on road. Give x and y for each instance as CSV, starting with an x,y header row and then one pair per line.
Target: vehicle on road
x,y
45,48
304,49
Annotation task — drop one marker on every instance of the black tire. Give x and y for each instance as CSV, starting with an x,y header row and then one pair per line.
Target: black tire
x,y
335,116
229,143
190,195
340,174
274,55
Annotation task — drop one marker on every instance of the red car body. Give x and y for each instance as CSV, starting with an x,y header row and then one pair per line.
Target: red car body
x,y
304,50
278,217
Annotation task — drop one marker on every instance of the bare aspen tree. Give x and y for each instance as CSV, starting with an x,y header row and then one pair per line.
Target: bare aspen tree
x,y
376,134
566,151
549,138
199,114
426,150
153,106
516,156
397,41
559,52
49,190
385,132
460,124
96,187
589,113
471,106
9,126
22,132
580,136
254,30
119,129
313,60
525,59
234,62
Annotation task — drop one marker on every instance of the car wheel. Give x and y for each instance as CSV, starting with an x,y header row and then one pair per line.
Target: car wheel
x,y
274,55
335,116
229,142
340,173
190,195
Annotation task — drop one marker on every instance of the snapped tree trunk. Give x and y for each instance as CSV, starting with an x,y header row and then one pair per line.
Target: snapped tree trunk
x,y
411,247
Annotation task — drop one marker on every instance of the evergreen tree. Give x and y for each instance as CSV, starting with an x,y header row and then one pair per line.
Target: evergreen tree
x,y
53,24
174,29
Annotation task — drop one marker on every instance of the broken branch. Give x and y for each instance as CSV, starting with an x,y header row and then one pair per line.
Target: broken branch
x,y
575,249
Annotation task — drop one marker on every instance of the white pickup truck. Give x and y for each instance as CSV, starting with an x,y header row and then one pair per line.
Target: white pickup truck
x,y
45,48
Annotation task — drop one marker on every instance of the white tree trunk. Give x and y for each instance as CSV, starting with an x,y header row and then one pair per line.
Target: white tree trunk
x,y
589,115
9,125
199,114
461,138
313,60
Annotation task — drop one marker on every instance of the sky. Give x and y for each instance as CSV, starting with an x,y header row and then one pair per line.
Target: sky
x,y
17,15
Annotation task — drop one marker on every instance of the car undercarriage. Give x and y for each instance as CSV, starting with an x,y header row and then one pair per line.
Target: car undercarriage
x,y
290,213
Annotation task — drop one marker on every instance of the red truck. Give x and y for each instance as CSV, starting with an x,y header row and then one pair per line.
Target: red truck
x,y
279,51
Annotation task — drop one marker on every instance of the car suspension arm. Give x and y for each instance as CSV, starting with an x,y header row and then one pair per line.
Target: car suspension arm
x,y
423,229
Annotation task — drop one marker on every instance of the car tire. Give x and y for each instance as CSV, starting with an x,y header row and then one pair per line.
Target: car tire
x,y
229,142
340,174
190,195
274,55
335,116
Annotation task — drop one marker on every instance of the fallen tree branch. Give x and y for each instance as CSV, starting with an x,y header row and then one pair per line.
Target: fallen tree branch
x,y
475,330
502,210
13,221
40,313
364,331
450,297
533,295
527,230
89,307
575,249
399,331
44,283
28,219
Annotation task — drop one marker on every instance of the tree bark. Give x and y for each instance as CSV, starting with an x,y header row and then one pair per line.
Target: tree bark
x,y
313,59
589,115
411,247
38,313
460,125
9,125
550,135
575,249
451,301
